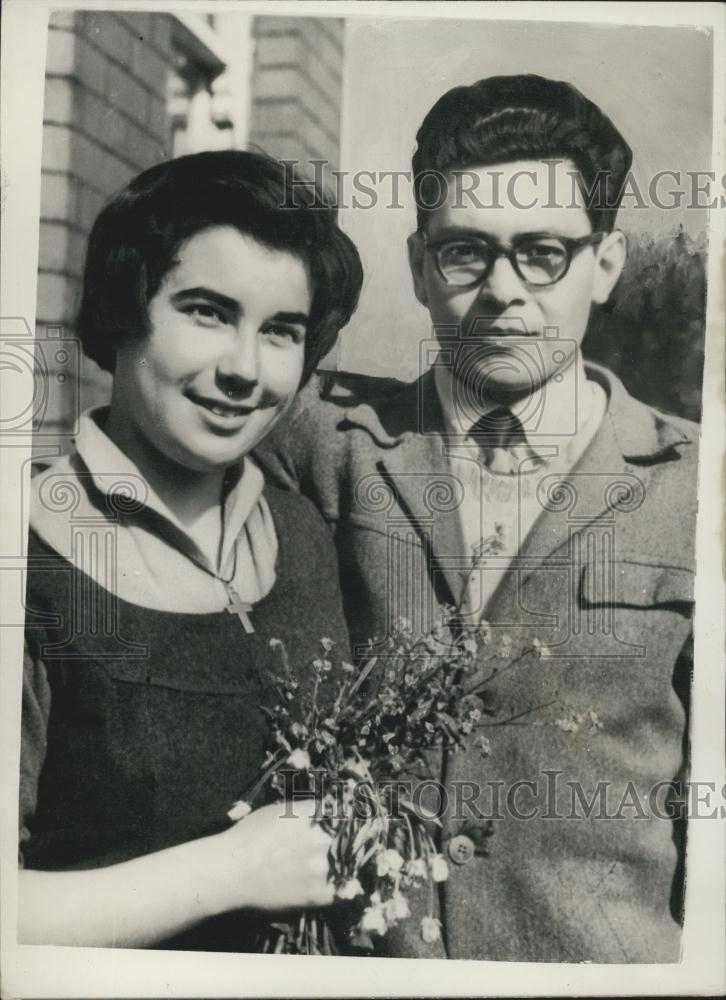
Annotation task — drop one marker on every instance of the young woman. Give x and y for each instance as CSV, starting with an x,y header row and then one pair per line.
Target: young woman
x,y
160,567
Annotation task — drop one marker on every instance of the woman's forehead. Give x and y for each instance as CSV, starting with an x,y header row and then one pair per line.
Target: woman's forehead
x,y
237,264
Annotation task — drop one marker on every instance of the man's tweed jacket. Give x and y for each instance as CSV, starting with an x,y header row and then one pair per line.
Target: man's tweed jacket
x,y
576,856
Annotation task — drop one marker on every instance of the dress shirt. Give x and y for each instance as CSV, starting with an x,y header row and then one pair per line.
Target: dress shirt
x,y
559,420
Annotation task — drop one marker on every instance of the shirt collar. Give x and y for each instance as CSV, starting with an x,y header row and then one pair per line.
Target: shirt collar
x,y
113,473
555,409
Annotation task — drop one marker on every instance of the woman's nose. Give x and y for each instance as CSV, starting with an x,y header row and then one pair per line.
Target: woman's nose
x,y
238,368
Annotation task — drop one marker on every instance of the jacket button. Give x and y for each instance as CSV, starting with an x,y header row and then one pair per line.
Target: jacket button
x,y
461,849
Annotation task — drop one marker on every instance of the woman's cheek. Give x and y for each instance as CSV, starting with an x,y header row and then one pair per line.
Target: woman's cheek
x,y
284,368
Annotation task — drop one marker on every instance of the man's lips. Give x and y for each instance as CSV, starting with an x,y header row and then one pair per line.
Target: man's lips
x,y
221,407
494,330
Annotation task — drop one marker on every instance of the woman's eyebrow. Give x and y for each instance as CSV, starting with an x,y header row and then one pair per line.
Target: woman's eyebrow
x,y
200,292
295,318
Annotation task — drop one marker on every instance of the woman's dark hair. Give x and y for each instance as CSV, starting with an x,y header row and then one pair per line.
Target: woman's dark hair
x,y
507,118
135,239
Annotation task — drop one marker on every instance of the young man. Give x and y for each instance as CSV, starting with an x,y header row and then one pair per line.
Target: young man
x,y
563,840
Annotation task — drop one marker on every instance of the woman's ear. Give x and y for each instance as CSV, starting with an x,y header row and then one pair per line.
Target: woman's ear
x,y
416,258
609,264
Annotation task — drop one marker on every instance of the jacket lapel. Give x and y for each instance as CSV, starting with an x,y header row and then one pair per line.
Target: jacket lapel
x,y
427,495
609,477
413,463
571,501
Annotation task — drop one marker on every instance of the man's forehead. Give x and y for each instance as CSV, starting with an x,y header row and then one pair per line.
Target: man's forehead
x,y
523,196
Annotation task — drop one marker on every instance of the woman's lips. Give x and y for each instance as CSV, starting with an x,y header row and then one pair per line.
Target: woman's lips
x,y
221,408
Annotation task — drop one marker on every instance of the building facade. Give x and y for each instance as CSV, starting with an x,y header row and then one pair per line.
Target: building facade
x,y
125,90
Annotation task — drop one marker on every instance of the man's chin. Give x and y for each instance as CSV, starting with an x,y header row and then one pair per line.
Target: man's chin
x,y
499,383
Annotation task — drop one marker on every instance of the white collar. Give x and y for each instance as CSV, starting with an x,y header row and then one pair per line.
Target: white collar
x,y
114,473
553,411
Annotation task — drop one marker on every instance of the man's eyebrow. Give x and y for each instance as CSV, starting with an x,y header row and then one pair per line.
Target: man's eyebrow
x,y
200,292
456,232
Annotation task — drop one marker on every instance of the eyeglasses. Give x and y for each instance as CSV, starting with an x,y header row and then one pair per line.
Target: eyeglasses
x,y
537,260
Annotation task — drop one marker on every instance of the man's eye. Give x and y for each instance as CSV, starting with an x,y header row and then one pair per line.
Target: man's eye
x,y
542,251
462,253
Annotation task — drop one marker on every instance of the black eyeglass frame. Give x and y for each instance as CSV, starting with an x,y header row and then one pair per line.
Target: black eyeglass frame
x,y
571,244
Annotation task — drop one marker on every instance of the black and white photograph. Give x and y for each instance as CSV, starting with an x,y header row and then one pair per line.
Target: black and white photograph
x,y
362,447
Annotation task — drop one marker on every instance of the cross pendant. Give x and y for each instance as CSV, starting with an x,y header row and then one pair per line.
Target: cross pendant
x,y
238,607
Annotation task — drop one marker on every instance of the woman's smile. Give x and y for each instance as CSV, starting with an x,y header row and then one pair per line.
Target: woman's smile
x,y
221,407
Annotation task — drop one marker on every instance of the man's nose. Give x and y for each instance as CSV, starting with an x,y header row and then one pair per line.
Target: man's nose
x,y
502,285
238,368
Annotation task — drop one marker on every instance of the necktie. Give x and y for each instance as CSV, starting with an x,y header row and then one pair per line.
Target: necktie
x,y
501,440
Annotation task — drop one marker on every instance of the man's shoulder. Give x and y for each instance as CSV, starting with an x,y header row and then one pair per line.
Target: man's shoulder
x,y
333,406
645,434
348,389
662,525
673,470
688,428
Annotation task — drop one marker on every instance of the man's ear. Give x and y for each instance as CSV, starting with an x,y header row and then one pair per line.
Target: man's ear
x,y
416,258
609,264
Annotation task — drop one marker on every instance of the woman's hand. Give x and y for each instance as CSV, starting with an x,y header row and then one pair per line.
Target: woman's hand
x,y
276,858
268,861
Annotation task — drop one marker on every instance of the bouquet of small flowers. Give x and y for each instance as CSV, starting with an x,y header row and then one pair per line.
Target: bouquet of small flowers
x,y
348,739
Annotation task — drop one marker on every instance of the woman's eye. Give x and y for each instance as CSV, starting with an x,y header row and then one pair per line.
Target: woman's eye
x,y
283,333
205,314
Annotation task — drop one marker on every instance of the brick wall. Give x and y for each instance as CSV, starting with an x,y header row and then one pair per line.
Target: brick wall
x,y
296,87
104,121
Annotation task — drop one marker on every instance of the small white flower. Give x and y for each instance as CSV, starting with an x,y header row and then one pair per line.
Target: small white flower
x,y
350,889
357,767
505,647
568,725
299,759
430,929
239,810
439,868
541,651
595,723
396,908
416,868
388,862
373,920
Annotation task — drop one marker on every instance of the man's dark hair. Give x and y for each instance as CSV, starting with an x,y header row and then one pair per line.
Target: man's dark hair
x,y
507,118
135,239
